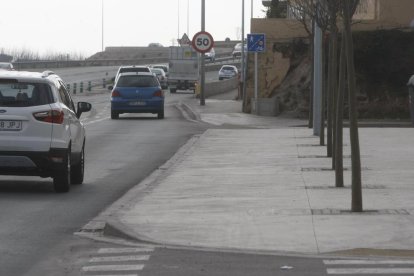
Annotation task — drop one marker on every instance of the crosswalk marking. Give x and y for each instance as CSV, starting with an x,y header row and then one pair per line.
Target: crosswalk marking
x,y
368,262
344,271
120,258
371,267
124,250
127,261
100,268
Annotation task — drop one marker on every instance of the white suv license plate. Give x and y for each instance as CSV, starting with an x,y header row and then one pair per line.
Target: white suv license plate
x,y
10,125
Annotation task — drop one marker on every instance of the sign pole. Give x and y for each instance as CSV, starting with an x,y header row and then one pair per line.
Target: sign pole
x,y
243,71
203,60
202,42
255,82
256,43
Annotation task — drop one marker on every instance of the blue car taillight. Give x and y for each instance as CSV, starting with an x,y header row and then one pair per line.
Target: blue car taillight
x,y
115,93
158,93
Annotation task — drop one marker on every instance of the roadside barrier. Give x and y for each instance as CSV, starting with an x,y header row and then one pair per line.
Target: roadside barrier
x,y
89,87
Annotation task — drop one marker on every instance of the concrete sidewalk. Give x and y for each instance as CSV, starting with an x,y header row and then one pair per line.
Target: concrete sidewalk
x,y
268,186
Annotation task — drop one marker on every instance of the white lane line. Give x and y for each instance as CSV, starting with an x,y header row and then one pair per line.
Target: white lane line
x,y
100,268
388,271
119,258
96,121
368,262
124,250
116,275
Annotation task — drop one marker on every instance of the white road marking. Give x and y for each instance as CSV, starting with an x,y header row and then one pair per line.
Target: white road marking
x,y
96,121
116,275
119,258
124,250
387,271
368,262
100,268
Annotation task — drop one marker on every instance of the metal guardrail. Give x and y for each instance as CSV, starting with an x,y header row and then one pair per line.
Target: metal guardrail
x,y
97,62
85,63
110,62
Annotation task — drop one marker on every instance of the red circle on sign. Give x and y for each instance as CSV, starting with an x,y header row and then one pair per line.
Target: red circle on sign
x,y
202,42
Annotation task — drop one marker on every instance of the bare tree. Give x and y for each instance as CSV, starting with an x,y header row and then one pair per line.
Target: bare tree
x,y
325,13
349,7
277,9
339,166
307,12
332,11
303,11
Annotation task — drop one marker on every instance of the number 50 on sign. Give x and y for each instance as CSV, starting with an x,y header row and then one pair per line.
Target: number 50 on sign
x,y
202,42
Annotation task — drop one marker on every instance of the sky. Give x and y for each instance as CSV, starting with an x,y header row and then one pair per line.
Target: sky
x,y
75,26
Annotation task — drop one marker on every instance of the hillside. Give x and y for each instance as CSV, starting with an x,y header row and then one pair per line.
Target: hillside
x,y
384,62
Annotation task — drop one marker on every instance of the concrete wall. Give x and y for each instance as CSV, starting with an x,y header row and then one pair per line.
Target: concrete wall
x,y
396,13
276,28
219,87
385,14
371,15
273,65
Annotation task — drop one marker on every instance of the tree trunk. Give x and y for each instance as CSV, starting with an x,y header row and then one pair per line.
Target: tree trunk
x,y
329,100
356,205
334,90
310,123
323,97
339,164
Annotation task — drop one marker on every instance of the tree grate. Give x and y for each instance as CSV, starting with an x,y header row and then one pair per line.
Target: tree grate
x,y
309,145
369,187
332,212
320,156
329,169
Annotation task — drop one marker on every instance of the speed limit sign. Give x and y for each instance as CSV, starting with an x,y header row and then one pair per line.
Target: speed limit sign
x,y
202,42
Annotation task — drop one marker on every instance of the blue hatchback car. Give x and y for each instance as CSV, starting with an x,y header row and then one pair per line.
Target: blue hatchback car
x,y
138,92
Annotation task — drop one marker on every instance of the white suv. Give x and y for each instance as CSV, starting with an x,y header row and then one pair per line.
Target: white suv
x,y
40,130
131,68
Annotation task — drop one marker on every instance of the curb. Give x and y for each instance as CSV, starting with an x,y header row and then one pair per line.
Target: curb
x,y
117,233
188,112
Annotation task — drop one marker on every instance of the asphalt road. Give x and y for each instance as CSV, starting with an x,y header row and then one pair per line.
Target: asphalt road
x,y
38,224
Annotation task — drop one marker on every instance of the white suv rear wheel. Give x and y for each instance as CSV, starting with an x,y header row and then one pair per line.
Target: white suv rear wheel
x,y
61,181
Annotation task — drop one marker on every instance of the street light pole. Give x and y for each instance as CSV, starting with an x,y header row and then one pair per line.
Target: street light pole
x,y
178,32
243,71
102,25
188,17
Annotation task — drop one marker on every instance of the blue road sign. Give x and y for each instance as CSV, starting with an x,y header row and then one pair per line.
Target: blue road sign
x,y
256,42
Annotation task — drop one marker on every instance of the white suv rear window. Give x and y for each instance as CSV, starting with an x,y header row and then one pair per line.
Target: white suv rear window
x,y
15,94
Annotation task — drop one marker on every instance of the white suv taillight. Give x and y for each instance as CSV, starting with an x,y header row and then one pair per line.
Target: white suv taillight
x,y
54,116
